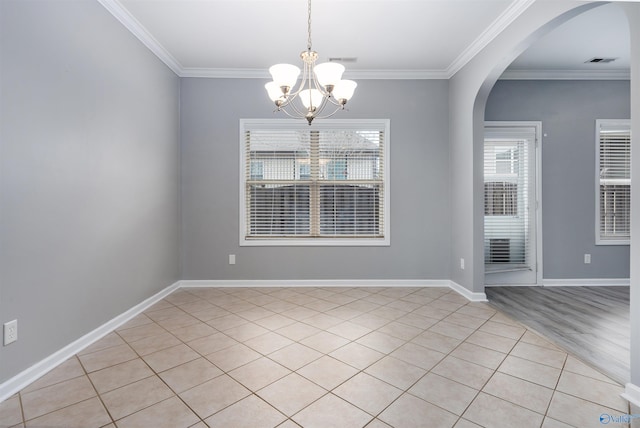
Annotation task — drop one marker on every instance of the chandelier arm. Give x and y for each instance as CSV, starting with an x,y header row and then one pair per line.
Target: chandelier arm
x,y
319,88
337,109
297,110
333,101
310,83
293,94
284,101
293,116
322,105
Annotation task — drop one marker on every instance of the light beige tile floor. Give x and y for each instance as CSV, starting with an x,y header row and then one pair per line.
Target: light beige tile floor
x,y
318,357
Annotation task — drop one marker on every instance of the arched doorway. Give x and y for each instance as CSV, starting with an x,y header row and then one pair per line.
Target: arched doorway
x,y
469,91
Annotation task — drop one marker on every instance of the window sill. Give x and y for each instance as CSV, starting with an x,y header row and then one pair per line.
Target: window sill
x,y
613,242
316,242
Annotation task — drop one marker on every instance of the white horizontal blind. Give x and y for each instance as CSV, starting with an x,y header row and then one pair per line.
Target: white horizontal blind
x,y
614,180
314,182
277,191
507,189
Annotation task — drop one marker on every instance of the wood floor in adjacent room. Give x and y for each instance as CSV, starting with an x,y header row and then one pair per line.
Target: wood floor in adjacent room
x,y
590,322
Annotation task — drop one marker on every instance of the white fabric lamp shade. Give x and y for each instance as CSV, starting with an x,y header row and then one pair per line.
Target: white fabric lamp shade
x,y
284,74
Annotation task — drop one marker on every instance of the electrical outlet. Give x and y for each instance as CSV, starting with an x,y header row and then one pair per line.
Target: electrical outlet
x,y
232,259
10,332
462,263
587,258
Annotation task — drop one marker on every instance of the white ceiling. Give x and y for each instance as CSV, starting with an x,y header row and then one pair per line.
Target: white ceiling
x,y
602,32
389,38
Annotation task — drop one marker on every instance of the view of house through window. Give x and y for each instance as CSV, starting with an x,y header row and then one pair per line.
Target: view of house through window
x,y
306,183
613,169
509,197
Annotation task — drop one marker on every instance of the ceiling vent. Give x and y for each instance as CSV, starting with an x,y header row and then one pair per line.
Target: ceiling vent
x,y
600,60
349,59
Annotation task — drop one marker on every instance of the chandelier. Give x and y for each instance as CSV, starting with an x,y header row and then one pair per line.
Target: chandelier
x,y
321,85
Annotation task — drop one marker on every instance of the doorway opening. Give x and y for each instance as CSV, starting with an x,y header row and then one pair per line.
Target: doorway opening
x,y
512,238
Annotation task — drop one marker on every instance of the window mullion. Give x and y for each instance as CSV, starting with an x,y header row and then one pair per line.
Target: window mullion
x,y
314,191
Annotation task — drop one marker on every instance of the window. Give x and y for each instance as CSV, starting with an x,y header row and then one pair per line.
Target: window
x,y
501,173
325,184
509,197
500,198
613,175
257,170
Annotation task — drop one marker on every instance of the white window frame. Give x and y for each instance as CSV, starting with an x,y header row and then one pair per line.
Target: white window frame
x,y
601,240
325,124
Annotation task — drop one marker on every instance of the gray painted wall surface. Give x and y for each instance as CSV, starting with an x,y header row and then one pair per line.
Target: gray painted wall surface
x,y
418,110
89,174
469,90
568,111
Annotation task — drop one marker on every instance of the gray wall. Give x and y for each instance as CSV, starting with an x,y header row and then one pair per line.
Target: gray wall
x,y
418,110
469,90
568,111
89,174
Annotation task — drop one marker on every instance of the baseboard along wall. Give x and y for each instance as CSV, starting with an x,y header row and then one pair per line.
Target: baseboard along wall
x,y
26,377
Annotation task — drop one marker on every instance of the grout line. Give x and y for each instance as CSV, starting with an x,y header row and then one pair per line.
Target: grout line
x,y
238,296
20,393
24,421
156,375
113,421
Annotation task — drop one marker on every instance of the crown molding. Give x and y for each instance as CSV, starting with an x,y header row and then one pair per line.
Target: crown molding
x,y
397,74
247,73
514,10
138,30
566,75
225,73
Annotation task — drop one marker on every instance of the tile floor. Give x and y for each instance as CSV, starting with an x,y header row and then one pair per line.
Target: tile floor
x,y
318,357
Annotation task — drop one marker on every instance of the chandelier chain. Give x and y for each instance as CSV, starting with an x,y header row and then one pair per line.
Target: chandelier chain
x,y
309,26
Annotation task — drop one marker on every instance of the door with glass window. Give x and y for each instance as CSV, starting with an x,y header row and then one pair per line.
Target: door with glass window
x,y
510,204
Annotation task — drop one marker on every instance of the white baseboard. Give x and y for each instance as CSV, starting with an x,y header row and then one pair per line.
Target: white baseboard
x,y
587,282
470,295
510,285
316,283
632,394
33,373
36,371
